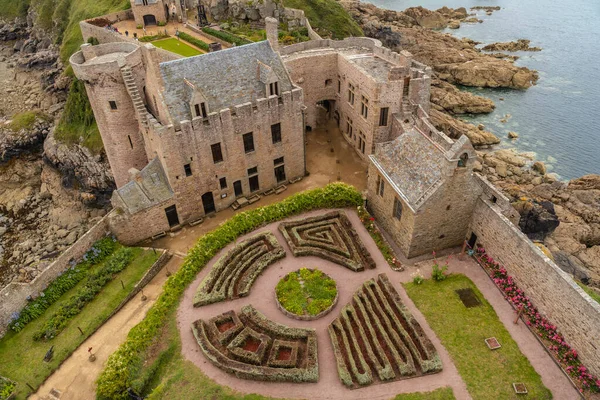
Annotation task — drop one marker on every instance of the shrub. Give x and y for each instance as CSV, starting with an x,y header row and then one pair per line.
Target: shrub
x,y
140,26
55,324
26,120
93,41
438,274
123,365
226,36
65,282
192,40
160,35
417,277
162,23
6,388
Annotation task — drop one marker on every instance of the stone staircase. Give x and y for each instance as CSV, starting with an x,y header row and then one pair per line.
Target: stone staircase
x,y
132,88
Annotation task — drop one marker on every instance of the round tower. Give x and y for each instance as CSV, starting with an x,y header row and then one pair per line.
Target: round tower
x,y
114,75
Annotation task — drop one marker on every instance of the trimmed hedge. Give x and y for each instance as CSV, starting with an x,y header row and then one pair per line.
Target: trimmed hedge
x,y
226,36
192,40
65,282
125,364
73,306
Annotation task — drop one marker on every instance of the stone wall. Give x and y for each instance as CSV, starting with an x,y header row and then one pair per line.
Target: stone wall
x,y
14,296
550,289
157,9
132,229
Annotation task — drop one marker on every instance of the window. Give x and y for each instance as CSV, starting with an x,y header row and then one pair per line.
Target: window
x,y
145,2
130,142
380,186
361,142
462,162
397,209
274,89
339,85
349,126
276,133
327,82
364,107
252,171
113,105
248,142
200,110
278,161
216,152
383,116
223,183
351,93
188,169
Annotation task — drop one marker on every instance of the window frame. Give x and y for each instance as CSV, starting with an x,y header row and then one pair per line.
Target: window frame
x,y
223,183
398,209
249,146
187,168
384,116
113,105
213,149
276,133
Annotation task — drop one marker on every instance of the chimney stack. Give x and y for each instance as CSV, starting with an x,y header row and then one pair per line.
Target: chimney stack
x,y
272,25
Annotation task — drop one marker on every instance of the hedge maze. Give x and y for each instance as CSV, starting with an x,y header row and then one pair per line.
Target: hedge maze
x,y
250,346
329,236
376,338
233,274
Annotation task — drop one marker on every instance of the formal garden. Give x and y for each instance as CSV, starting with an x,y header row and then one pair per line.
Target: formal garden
x,y
72,307
286,294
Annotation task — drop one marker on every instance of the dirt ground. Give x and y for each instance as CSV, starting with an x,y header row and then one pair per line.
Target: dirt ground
x,y
329,386
76,377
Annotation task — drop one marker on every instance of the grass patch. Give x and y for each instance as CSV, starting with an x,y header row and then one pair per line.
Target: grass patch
x,y
10,9
306,292
327,17
591,292
21,356
488,374
26,120
438,394
177,46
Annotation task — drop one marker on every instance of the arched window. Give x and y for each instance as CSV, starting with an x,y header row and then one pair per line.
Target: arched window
x,y
462,162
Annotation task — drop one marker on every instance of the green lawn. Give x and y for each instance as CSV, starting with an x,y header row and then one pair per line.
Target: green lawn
x,y
176,46
21,357
439,394
488,374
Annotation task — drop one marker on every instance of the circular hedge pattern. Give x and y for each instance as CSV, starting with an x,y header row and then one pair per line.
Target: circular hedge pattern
x,y
306,294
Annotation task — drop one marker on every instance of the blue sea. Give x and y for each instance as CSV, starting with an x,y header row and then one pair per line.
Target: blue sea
x,y
558,118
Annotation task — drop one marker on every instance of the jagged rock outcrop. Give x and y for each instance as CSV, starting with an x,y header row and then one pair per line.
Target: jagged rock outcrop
x,y
15,142
487,72
455,128
518,45
446,97
80,168
538,220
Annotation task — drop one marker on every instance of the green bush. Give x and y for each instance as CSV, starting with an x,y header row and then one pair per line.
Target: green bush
x,y
296,288
73,306
6,388
192,40
65,282
93,41
438,274
226,36
123,366
25,120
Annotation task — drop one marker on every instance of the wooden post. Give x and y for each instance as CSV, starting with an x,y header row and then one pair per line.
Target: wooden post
x,y
519,312
80,331
122,284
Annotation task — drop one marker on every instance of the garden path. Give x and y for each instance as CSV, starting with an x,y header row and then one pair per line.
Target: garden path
x,y
262,297
76,377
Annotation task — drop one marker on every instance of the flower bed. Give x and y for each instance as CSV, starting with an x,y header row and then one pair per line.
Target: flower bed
x,y
125,364
369,223
7,388
376,338
250,346
306,294
233,275
566,356
329,236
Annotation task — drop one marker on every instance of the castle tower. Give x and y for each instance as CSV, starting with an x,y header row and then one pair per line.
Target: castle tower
x,y
271,26
113,75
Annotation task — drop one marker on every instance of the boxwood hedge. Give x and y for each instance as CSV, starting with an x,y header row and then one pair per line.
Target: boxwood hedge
x,y
125,364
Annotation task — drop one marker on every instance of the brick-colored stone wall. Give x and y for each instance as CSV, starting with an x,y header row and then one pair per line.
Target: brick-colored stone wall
x,y
132,229
14,296
551,290
157,9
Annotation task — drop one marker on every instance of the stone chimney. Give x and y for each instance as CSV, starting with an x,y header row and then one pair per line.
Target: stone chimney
x,y
88,51
271,25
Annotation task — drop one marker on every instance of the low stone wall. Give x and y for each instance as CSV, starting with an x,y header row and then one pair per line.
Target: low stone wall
x,y
14,296
550,289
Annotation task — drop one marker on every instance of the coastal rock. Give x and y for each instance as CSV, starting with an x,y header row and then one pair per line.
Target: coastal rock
x,y
510,156
518,45
449,98
455,128
539,167
537,220
426,18
490,72
513,135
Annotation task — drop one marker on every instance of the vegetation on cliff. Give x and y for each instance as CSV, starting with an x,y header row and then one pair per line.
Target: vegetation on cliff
x,y
327,17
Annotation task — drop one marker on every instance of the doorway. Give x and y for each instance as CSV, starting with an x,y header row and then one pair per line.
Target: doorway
x,y
149,20
172,216
237,188
280,173
253,181
472,240
406,86
208,202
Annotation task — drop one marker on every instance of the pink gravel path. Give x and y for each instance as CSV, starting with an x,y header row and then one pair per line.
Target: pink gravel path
x,y
262,297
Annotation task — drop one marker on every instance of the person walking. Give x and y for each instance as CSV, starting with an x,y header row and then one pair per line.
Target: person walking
x,y
177,33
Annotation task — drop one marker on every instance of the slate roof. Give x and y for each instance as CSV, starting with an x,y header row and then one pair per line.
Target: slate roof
x,y
413,164
153,188
226,78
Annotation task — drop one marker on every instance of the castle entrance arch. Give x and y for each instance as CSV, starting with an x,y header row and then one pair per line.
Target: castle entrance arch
x,y
208,201
149,20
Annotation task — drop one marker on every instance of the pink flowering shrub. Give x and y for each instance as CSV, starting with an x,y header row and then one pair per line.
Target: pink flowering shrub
x,y
369,223
554,341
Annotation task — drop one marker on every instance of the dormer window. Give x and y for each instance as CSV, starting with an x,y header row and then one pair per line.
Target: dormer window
x,y
274,89
200,110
